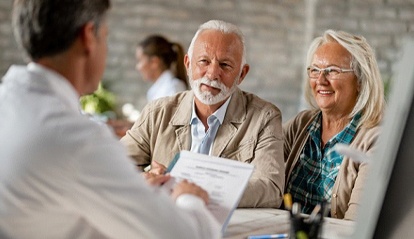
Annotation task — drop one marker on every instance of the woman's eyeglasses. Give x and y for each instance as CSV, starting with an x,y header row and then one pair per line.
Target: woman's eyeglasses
x,y
329,72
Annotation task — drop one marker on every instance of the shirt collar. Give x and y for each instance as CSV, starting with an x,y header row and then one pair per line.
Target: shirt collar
x,y
58,83
219,113
163,79
165,76
344,136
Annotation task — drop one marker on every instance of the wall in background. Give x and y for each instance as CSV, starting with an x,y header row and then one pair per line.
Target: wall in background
x,y
277,36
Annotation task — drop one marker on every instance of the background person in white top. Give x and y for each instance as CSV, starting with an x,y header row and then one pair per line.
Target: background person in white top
x,y
161,62
62,175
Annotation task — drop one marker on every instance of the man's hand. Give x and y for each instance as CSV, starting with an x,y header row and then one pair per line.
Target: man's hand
x,y
155,179
185,187
157,168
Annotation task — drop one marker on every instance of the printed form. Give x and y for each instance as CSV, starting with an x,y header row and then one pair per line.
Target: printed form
x,y
224,179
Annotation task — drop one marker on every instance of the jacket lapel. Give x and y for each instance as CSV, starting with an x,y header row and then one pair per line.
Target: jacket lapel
x,y
235,115
181,120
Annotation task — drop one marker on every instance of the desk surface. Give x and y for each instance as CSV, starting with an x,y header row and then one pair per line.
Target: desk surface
x,y
245,222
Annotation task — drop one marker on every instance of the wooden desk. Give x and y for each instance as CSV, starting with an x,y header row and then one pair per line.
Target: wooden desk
x,y
245,222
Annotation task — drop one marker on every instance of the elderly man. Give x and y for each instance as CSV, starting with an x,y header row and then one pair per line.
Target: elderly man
x,y
62,175
215,117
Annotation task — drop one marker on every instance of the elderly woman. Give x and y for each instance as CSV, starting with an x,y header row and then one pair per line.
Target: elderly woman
x,y
345,89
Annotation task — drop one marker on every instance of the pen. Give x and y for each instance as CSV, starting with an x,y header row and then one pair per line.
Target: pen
x,y
296,209
269,236
315,212
287,200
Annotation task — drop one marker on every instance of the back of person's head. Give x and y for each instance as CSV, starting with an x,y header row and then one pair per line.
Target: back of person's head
x,y
171,54
48,27
371,100
225,27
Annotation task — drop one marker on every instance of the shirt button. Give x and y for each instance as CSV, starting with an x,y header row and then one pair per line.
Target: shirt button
x,y
335,195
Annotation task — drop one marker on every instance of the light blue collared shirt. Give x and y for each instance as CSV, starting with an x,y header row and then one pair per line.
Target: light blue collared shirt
x,y
199,136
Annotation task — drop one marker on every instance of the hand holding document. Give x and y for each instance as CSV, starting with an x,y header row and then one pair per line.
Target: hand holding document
x,y
225,180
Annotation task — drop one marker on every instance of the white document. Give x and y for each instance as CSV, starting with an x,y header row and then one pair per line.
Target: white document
x,y
225,180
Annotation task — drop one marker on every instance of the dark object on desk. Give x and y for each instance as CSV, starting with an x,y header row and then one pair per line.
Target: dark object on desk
x,y
306,227
387,209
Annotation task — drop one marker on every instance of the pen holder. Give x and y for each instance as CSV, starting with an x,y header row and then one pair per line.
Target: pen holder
x,y
305,228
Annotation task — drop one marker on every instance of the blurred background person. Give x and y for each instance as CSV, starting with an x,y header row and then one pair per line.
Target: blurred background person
x,y
161,62
345,89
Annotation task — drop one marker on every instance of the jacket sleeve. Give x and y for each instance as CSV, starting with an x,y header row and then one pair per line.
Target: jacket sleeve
x,y
366,144
137,139
265,187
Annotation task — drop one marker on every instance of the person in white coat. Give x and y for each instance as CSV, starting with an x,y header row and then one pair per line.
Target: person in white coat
x,y
63,175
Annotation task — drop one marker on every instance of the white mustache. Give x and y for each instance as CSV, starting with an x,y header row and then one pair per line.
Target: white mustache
x,y
212,83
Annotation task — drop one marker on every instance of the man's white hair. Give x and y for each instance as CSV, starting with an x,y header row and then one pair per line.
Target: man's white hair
x,y
224,27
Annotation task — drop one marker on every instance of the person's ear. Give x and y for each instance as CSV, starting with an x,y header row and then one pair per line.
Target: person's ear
x,y
187,62
243,73
88,37
156,62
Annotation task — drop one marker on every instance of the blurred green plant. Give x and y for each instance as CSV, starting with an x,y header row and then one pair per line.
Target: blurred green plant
x,y
100,102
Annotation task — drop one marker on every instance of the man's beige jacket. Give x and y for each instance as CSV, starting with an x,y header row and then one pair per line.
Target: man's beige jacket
x,y
251,132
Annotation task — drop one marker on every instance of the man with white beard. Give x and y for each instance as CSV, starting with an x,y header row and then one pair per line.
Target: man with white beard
x,y
215,117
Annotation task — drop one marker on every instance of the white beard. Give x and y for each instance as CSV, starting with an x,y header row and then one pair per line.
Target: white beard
x,y
206,97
